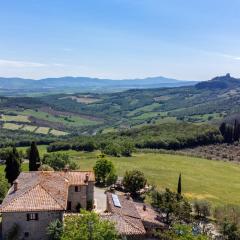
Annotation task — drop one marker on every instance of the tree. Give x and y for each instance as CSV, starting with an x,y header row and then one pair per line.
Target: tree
x,y
127,149
13,166
3,187
179,189
58,161
236,131
181,232
112,177
172,204
202,208
112,149
88,225
230,230
134,181
104,171
55,230
34,159
228,218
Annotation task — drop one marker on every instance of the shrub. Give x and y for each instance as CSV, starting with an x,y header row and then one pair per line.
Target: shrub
x,y
202,208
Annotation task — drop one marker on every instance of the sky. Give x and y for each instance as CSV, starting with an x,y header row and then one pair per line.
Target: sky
x,y
120,39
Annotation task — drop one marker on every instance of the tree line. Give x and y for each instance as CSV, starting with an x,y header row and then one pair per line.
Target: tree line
x,y
230,132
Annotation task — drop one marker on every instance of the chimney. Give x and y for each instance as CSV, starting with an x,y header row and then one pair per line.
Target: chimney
x,y
128,196
86,178
144,207
66,168
15,185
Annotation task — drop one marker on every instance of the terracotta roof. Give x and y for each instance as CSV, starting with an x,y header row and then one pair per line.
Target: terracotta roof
x,y
126,226
128,207
126,217
149,216
38,191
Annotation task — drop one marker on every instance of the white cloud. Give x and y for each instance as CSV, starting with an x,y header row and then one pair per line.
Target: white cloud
x,y
20,64
229,56
23,64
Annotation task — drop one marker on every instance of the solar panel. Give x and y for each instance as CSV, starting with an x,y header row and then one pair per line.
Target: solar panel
x,y
116,201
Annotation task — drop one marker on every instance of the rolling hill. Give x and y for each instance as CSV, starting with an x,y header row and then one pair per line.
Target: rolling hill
x,y
21,86
91,113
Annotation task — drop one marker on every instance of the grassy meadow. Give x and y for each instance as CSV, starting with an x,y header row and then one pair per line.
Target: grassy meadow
x,y
215,181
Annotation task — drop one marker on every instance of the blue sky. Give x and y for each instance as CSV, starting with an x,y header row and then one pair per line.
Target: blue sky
x,y
191,39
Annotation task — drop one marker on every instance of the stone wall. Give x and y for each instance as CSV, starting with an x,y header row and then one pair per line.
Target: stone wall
x,y
77,197
85,194
36,229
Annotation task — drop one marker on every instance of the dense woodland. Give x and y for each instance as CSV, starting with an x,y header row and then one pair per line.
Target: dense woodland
x,y
165,136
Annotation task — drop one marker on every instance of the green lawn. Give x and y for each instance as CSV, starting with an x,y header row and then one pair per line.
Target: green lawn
x,y
215,181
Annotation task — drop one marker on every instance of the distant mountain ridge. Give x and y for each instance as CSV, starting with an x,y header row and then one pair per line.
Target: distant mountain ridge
x,y
87,83
220,82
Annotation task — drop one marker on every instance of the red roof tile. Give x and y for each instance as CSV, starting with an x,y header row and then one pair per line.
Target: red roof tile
x,y
38,191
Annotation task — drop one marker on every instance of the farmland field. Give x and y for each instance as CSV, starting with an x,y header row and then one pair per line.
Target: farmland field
x,y
42,130
215,181
71,120
12,118
29,128
57,132
12,126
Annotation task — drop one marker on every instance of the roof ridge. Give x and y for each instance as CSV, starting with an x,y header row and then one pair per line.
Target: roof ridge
x,y
51,195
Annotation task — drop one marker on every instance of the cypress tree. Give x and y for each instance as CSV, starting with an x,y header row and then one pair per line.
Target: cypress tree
x,y
229,134
222,129
179,189
236,131
13,165
34,159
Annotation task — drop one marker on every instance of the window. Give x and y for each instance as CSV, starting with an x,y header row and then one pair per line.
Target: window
x,y
26,234
77,188
32,216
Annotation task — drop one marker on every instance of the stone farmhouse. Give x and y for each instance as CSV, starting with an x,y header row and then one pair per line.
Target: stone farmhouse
x,y
38,198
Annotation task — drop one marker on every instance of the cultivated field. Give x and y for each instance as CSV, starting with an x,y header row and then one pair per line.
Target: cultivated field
x,y
12,118
65,120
